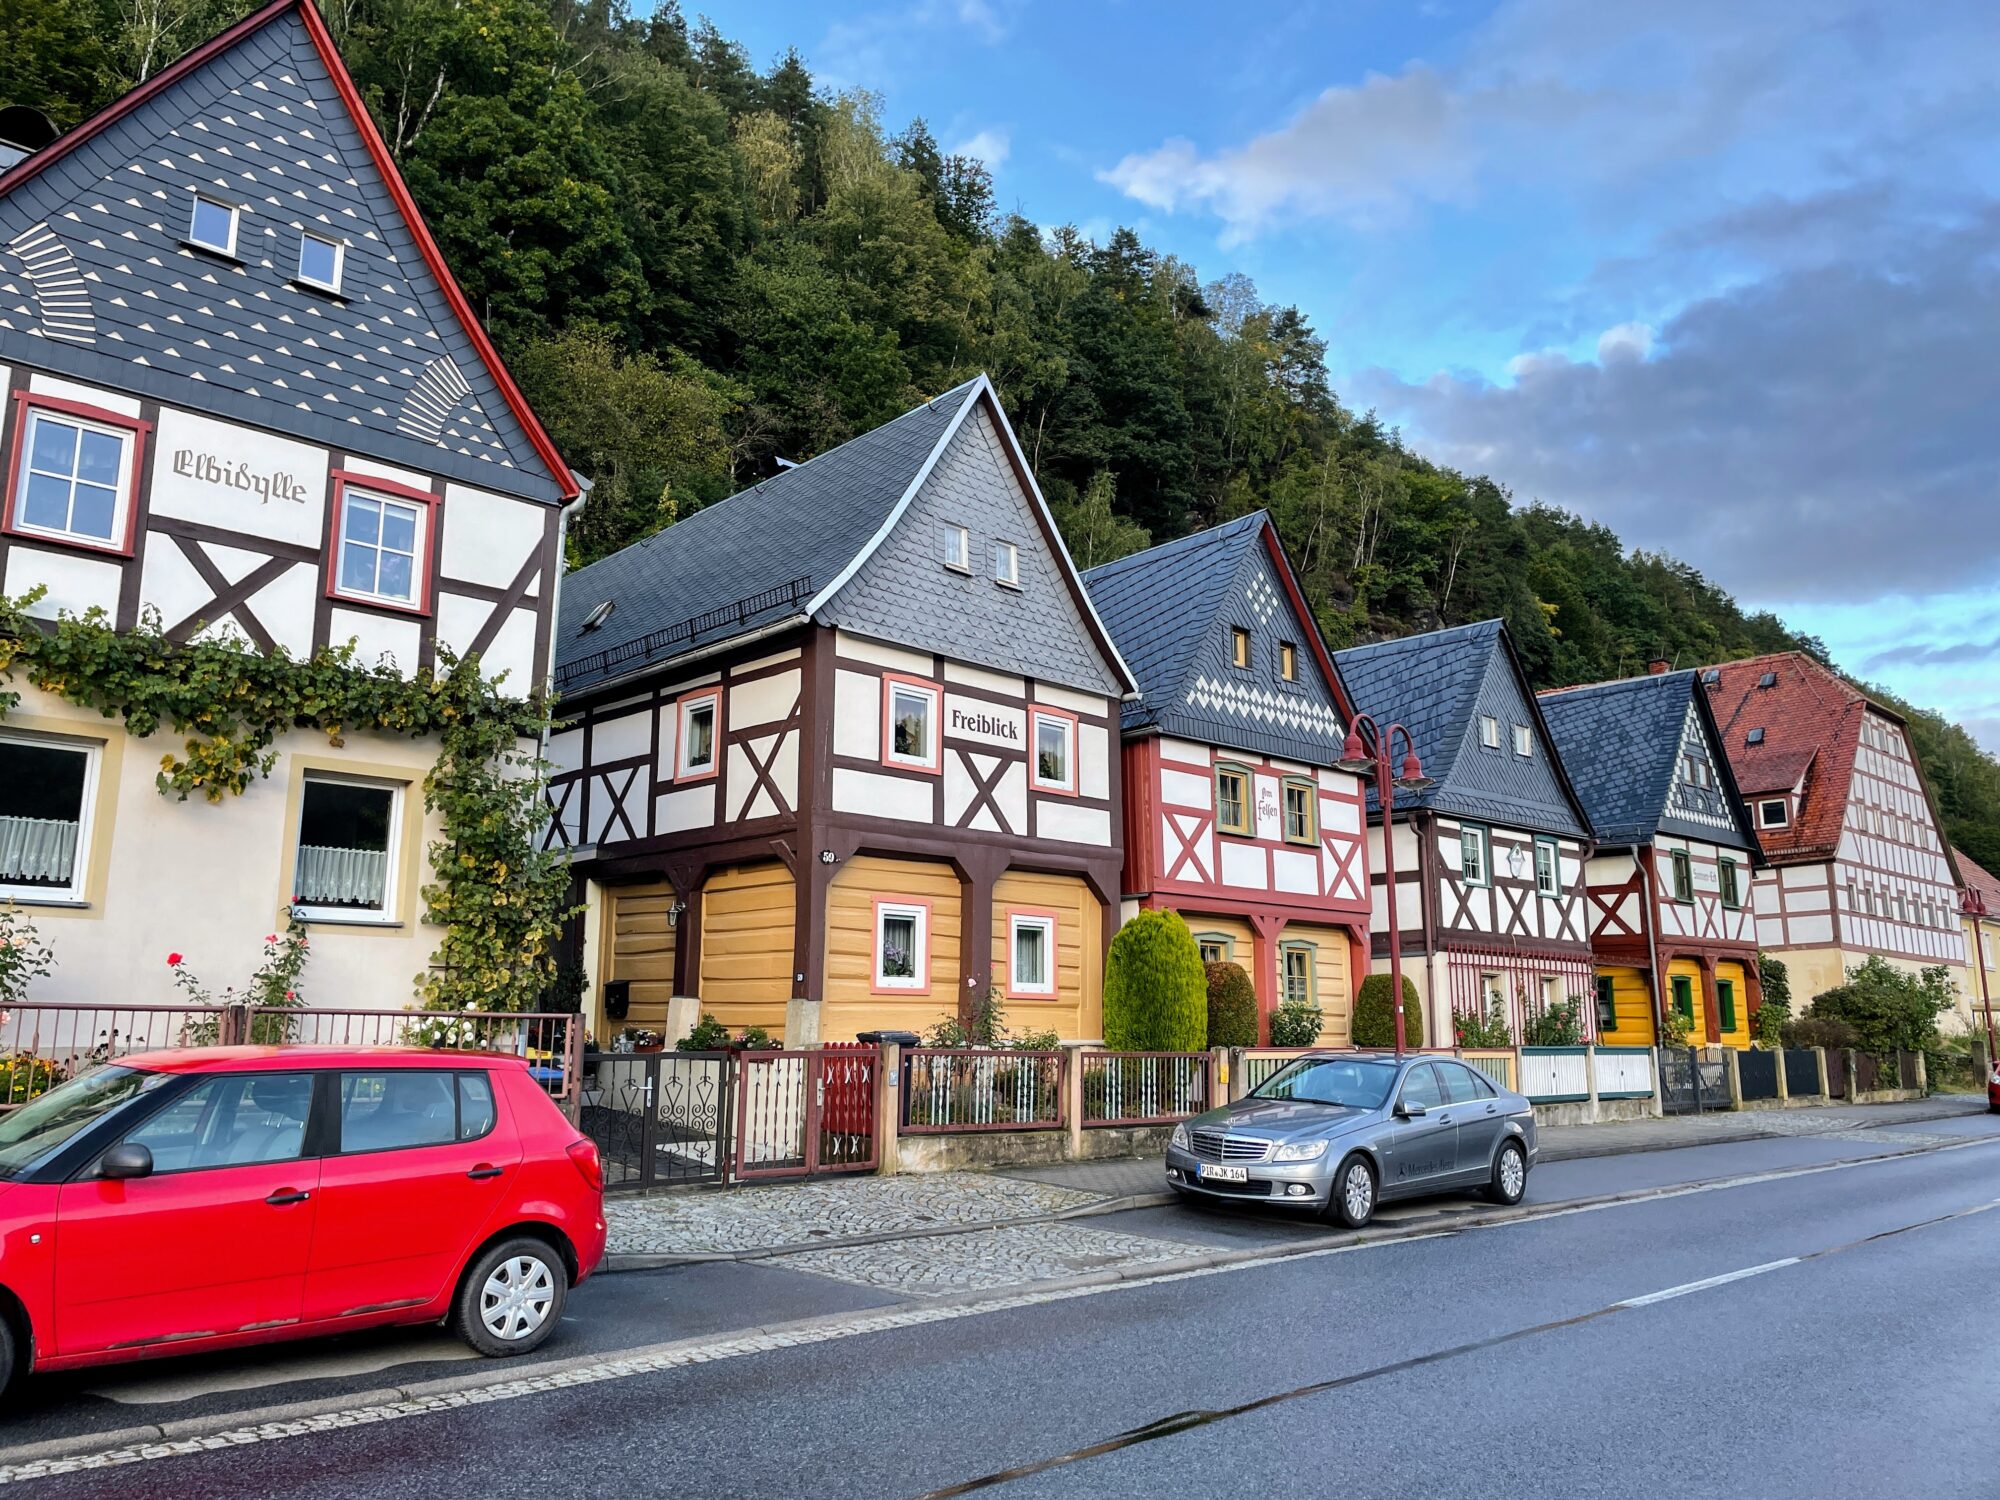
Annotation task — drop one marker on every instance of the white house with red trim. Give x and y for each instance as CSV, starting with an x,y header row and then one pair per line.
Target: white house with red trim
x,y
245,398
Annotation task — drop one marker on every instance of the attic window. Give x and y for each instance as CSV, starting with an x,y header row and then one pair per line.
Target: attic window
x,y
1524,740
1754,737
212,226
1288,661
320,262
596,618
1239,647
1711,677
1769,679
1007,564
1774,812
1489,731
955,548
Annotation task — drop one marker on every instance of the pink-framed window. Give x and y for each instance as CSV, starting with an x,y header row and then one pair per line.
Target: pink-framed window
x,y
901,962
1052,750
1031,953
384,535
75,474
912,723
698,734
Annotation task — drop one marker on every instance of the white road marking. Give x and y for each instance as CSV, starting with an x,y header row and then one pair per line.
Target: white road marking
x,y
1688,1287
593,1369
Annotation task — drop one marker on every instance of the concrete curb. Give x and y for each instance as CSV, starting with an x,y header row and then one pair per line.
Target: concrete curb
x,y
1588,1152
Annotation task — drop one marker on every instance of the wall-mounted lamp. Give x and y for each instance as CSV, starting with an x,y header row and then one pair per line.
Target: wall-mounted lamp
x,y
674,913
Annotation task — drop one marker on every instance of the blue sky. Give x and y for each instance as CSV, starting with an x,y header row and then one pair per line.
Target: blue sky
x,y
1724,277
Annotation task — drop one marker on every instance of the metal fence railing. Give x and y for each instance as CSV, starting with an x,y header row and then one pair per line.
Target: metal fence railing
x,y
1255,1064
947,1089
44,1045
1144,1088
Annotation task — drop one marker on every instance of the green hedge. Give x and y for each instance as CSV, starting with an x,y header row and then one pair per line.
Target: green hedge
x,y
1155,989
1232,1006
1375,1022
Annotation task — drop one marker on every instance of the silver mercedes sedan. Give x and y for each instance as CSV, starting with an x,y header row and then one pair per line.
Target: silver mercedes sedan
x,y
1339,1132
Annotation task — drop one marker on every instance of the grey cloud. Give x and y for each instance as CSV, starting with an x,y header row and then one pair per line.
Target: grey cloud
x,y
1919,655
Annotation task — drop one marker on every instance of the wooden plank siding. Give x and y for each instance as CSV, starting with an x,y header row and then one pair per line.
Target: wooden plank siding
x,y
1076,1010
640,945
1333,985
747,920
850,1003
1632,1005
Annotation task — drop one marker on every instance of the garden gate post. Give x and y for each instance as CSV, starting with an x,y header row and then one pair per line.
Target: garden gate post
x,y
1733,1077
1590,1077
888,1107
1923,1075
1784,1089
1824,1092
234,1027
1072,1100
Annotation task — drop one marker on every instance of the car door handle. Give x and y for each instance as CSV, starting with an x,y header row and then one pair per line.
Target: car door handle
x,y
1492,1109
286,1196
480,1173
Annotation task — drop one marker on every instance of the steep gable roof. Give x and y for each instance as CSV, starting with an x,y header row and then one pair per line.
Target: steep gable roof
x,y
1165,607
1621,744
1807,724
780,552
96,282
1433,684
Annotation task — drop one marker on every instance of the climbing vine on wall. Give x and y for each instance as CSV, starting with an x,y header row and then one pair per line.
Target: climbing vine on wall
x,y
499,898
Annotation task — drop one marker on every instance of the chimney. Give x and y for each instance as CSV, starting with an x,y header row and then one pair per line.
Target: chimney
x,y
1657,665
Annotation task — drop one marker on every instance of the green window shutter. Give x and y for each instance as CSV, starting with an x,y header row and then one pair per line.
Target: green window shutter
x,y
1684,997
1607,1004
1725,999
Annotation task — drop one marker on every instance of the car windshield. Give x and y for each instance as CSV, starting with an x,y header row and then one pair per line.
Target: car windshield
x,y
1350,1082
41,1125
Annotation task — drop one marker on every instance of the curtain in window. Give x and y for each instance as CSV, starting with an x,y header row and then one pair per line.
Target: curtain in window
x,y
341,877
37,849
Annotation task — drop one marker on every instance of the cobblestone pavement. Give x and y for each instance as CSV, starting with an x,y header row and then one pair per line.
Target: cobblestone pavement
x,y
762,1218
988,1259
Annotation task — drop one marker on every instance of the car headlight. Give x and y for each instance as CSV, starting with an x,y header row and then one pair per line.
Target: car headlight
x,y
1179,1139
1300,1151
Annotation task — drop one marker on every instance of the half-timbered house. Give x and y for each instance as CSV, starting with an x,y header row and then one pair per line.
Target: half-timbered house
x,y
1857,862
244,397
843,747
1979,907
1669,882
1489,857
1233,815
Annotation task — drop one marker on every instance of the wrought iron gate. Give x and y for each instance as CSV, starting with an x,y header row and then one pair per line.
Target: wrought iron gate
x,y
660,1118
1693,1079
799,1113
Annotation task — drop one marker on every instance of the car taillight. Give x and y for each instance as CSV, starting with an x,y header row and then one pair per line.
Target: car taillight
x,y
584,1154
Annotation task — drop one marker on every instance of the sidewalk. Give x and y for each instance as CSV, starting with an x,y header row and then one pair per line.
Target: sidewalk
x,y
803,1222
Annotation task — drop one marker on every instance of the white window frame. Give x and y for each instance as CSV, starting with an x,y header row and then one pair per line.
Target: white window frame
x,y
1553,890
933,757
1006,565
919,977
1017,923
1784,807
1288,661
386,915
121,501
417,602
1489,731
692,704
1524,741
1481,840
235,213
955,546
1065,784
71,894
339,248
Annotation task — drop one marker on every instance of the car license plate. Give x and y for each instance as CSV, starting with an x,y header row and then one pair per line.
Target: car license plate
x,y
1215,1173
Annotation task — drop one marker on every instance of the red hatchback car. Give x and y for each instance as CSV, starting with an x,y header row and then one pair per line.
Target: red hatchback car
x,y
201,1199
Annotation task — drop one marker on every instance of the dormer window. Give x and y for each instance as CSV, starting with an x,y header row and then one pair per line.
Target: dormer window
x,y
1288,661
1239,647
955,548
1524,742
1007,565
1489,731
320,262
212,225
1754,737
1774,812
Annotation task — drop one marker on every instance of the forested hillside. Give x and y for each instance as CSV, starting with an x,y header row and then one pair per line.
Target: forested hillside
x,y
697,267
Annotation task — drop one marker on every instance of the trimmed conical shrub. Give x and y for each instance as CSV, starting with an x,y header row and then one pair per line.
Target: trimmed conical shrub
x,y
1155,990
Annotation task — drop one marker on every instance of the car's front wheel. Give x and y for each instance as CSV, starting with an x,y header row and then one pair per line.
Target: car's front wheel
x,y
511,1298
1353,1201
1510,1175
8,1367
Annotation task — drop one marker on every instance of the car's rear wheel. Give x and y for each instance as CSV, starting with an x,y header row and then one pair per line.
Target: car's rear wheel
x,y
512,1298
1352,1202
1510,1174
8,1367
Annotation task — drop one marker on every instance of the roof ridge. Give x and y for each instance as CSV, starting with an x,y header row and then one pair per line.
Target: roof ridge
x,y
1207,536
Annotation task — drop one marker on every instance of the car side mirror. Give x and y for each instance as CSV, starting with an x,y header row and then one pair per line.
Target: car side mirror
x,y
125,1160
1409,1109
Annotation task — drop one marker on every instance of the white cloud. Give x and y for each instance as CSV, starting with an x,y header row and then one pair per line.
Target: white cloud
x,y
1626,341
991,146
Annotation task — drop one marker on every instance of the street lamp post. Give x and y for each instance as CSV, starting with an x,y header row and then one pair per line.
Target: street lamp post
x,y
1357,758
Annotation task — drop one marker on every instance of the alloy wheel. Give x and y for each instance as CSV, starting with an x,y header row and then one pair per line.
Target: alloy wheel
x,y
1357,1190
516,1298
1513,1174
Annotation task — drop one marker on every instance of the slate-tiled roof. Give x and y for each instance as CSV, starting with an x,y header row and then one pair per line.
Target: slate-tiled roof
x,y
810,522
1427,683
1621,744
1811,723
1157,604
96,284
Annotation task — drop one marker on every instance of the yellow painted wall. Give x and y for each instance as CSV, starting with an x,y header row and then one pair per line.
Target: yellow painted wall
x,y
747,921
848,1004
1739,1035
1333,985
1632,1003
1243,948
1076,1013
1688,968
639,946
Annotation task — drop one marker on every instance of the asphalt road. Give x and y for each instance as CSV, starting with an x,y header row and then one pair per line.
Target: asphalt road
x,y
1859,1356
